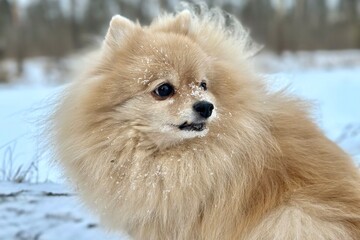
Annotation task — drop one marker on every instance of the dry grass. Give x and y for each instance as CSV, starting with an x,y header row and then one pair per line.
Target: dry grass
x,y
17,173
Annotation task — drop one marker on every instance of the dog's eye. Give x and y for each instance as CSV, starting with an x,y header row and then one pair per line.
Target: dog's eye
x,y
164,91
203,85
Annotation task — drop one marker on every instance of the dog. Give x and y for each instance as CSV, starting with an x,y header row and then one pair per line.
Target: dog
x,y
170,133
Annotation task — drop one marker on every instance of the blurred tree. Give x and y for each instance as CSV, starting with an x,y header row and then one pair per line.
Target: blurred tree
x,y
134,10
5,23
17,38
75,29
48,29
257,15
96,14
318,23
279,29
350,20
55,28
301,23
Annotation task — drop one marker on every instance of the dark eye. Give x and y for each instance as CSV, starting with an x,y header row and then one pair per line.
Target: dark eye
x,y
203,85
164,91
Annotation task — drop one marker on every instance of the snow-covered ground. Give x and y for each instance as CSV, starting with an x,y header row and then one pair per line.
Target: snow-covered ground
x,y
46,211
331,80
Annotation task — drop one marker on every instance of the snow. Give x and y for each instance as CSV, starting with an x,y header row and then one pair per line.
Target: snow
x,y
307,61
331,80
65,5
23,111
46,211
38,71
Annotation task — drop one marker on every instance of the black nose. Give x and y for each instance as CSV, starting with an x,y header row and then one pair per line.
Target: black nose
x,y
204,108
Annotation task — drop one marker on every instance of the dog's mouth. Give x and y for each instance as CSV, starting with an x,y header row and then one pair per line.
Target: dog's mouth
x,y
198,127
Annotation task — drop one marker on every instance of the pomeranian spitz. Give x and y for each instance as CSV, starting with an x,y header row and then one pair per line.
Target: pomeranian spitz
x,y
171,134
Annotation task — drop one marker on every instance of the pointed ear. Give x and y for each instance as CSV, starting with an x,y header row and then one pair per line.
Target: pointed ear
x,y
119,28
180,23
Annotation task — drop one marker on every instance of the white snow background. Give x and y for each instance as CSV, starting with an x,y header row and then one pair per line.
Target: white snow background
x,y
43,207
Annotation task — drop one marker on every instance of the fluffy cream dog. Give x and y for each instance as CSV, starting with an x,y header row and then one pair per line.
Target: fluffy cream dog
x,y
170,134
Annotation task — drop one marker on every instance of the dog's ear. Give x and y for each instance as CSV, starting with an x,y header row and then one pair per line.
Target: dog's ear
x,y
119,28
180,23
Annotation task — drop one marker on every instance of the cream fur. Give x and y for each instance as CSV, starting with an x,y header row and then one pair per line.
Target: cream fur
x,y
262,169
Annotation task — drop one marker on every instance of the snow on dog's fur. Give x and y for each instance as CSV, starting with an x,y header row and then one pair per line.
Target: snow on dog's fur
x,y
255,167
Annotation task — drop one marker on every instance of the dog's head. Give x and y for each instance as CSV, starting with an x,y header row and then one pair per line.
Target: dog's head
x,y
165,80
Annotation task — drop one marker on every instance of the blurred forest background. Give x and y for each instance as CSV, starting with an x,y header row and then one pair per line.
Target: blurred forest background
x,y
54,28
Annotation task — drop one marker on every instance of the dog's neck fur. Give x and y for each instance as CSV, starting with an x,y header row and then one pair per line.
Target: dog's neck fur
x,y
138,162
157,188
